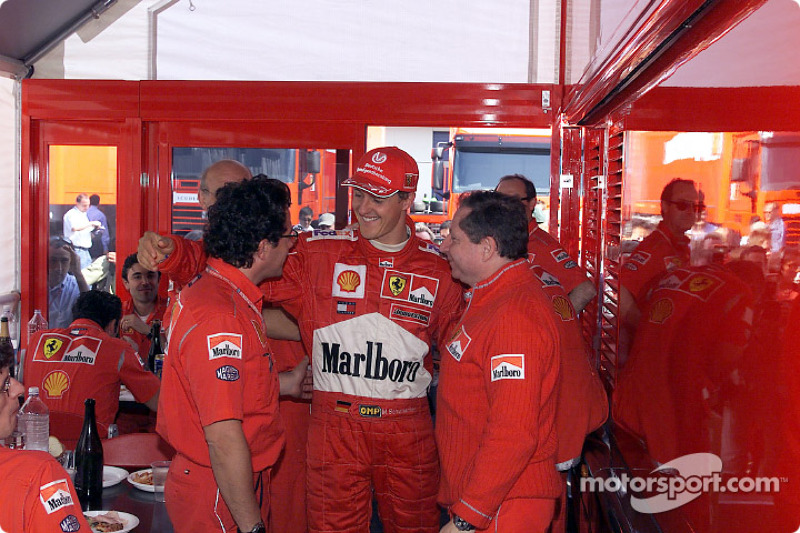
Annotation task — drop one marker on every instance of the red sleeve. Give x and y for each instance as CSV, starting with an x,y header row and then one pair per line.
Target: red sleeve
x,y
519,424
216,399
52,503
448,312
185,262
142,383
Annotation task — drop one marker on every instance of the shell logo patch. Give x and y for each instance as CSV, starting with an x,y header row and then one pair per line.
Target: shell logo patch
x,y
459,344
56,383
508,366
661,311
52,346
224,345
55,495
348,280
563,308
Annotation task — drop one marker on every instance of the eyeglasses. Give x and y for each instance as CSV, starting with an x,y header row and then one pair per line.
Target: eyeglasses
x,y
6,385
685,205
294,235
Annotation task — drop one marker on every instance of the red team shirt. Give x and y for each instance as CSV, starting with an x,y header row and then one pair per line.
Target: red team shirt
x,y
141,342
220,367
544,250
83,361
657,253
497,399
37,495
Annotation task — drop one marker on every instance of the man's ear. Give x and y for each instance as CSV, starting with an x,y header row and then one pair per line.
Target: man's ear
x,y
488,248
111,327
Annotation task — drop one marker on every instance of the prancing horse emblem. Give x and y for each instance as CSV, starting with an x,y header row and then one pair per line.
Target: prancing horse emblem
x,y
397,284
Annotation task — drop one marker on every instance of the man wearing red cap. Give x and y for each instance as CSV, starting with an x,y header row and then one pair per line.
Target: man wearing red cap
x,y
369,302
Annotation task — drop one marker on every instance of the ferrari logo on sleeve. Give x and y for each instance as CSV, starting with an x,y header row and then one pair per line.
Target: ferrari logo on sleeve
x,y
508,366
224,345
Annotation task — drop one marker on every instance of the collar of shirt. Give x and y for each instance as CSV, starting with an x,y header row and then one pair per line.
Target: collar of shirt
x,y
232,275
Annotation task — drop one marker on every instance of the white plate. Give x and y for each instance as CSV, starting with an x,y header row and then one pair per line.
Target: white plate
x,y
141,486
113,475
131,521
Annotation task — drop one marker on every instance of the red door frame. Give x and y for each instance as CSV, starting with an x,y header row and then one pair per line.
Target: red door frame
x,y
154,115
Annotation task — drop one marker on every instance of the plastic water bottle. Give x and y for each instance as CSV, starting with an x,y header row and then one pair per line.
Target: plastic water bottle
x,y
37,323
13,328
34,422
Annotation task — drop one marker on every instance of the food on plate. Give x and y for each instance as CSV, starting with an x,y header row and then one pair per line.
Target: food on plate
x,y
145,477
54,446
110,521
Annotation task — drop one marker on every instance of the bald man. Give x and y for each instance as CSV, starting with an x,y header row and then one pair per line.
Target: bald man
x,y
215,176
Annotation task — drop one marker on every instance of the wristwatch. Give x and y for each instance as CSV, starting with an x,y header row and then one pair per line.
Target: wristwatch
x,y
461,524
258,528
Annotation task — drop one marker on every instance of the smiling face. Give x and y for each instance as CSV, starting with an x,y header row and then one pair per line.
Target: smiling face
x,y
381,219
10,392
463,255
142,284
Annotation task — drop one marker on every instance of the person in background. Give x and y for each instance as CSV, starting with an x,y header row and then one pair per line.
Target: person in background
x,y
665,249
65,282
777,229
326,221
215,176
305,217
544,248
36,492
219,404
423,231
444,229
94,213
78,229
85,360
499,378
143,306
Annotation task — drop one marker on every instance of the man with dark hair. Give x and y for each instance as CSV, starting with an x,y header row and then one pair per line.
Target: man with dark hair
x,y
94,213
499,378
143,307
305,217
84,360
664,249
219,406
78,229
35,491
544,249
369,303
65,282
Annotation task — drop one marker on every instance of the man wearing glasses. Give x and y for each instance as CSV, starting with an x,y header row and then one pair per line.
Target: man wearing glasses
x,y
664,249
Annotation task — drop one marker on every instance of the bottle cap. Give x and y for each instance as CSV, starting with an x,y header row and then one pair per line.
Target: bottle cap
x,y
33,390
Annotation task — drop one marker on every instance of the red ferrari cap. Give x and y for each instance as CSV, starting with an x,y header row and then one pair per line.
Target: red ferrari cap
x,y
385,171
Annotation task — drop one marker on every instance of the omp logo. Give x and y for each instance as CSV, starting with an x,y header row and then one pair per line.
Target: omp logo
x,y
224,345
508,366
56,383
378,158
55,495
370,411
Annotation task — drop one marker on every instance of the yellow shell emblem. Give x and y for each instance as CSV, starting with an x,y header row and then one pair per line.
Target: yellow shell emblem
x,y
349,280
51,347
397,284
563,308
56,383
661,311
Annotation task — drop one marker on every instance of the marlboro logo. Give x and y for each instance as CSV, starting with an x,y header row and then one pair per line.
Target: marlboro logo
x,y
224,345
508,366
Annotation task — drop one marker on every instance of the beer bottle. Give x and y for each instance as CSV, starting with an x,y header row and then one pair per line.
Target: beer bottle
x,y
155,357
6,346
89,462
